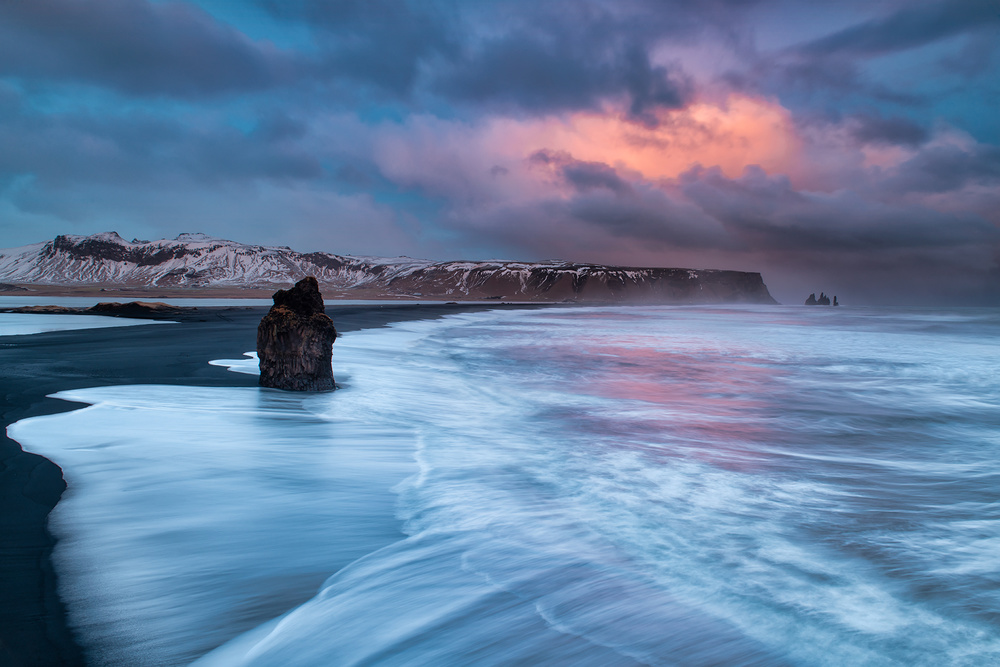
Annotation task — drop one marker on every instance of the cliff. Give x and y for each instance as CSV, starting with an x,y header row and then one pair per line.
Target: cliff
x,y
199,261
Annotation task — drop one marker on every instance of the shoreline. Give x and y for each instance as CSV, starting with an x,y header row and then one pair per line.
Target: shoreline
x,y
33,624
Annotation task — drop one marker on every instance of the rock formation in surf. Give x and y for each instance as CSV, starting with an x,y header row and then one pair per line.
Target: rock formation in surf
x,y
295,341
823,300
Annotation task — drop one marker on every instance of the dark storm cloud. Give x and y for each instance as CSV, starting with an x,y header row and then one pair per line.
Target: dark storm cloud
x,y
796,74
134,46
522,56
977,54
845,65
526,56
947,168
606,202
651,88
380,42
558,69
868,128
598,226
650,217
911,27
279,126
876,129
582,176
770,215
142,149
757,214
603,210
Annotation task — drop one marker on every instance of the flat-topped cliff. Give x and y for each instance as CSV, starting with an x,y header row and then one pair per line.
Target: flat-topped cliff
x,y
199,261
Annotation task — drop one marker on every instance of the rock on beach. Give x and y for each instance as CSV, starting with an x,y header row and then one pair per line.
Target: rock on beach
x,y
295,341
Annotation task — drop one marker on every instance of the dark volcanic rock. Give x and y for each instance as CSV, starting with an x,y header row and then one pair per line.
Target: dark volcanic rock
x,y
823,300
295,341
139,309
44,310
134,309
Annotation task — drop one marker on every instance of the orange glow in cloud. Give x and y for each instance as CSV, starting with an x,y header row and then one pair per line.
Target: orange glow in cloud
x,y
743,131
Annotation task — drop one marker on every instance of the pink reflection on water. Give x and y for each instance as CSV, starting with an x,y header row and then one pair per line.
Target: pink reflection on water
x,y
693,400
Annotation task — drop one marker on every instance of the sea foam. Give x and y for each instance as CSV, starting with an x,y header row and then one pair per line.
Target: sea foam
x,y
739,486
20,324
194,514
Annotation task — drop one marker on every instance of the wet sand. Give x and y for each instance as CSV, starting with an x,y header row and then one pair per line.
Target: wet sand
x,y
33,629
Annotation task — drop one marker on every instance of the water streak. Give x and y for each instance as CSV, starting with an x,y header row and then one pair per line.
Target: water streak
x,y
738,486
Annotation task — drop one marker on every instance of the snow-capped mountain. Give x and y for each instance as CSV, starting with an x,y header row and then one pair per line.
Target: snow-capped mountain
x,y
198,261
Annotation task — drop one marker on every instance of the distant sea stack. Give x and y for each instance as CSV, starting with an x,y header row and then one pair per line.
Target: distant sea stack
x,y
295,341
822,300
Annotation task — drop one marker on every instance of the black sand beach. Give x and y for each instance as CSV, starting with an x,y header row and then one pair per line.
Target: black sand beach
x,y
33,629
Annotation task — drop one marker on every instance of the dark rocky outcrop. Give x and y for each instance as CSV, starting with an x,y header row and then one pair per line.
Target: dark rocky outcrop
x,y
822,300
45,310
151,310
141,309
295,341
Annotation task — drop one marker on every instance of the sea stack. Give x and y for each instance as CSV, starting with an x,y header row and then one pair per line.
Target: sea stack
x,y
823,300
295,341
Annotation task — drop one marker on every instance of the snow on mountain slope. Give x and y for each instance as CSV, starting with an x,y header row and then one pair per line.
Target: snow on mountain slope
x,y
197,260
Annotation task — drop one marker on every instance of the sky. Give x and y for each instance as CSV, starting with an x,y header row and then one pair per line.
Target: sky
x,y
851,147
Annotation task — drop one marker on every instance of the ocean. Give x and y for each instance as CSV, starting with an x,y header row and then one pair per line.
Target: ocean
x,y
742,485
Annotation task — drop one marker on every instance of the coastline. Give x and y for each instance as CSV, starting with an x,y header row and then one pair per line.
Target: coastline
x,y
33,627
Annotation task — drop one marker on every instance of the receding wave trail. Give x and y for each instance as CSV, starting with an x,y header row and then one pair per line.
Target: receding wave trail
x,y
21,324
691,486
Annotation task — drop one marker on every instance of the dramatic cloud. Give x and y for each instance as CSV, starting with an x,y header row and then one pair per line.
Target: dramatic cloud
x,y
770,215
378,42
874,129
704,216
582,176
142,150
948,167
913,26
517,56
134,46
557,71
850,147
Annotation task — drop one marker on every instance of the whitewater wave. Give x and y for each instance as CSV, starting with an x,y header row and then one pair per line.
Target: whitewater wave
x,y
587,486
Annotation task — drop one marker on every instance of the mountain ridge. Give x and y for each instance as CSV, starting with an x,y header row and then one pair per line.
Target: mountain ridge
x,y
194,260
